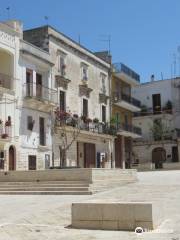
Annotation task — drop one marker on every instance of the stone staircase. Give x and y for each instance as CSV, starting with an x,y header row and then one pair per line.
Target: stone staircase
x,y
45,188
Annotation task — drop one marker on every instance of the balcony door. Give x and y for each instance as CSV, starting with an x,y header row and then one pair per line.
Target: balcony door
x,y
29,83
85,107
62,101
38,85
42,136
156,102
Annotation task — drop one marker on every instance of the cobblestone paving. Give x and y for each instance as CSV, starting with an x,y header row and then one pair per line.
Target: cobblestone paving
x,y
49,217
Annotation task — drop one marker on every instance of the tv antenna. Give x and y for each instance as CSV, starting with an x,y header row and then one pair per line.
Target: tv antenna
x,y
178,50
46,19
106,38
8,12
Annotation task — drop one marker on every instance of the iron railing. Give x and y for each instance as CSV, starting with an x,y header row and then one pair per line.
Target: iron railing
x,y
120,67
150,111
40,92
121,96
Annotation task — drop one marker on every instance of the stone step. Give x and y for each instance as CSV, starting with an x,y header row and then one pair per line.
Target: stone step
x,y
45,193
45,182
43,185
38,188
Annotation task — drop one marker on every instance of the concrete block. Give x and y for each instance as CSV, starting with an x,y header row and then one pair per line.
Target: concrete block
x,y
115,216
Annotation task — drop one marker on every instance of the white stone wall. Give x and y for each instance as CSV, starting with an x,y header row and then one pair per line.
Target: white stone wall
x,y
73,72
143,152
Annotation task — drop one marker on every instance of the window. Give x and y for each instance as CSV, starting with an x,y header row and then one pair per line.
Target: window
x,y
103,83
38,85
42,136
1,159
156,99
30,123
84,72
62,65
29,82
117,119
85,107
103,113
62,101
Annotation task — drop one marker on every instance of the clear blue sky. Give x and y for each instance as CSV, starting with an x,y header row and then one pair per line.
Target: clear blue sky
x,y
144,33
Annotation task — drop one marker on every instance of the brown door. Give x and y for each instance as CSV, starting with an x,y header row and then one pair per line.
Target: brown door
x,y
32,162
175,154
12,159
158,157
118,152
89,155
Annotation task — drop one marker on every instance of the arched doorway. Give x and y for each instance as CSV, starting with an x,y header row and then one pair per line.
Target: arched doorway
x,y
158,157
12,158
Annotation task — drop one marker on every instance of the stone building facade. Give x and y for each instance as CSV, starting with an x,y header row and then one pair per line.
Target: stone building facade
x,y
159,121
83,85
26,102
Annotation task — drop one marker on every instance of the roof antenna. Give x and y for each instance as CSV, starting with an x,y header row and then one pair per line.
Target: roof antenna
x,y
8,12
46,19
107,38
79,39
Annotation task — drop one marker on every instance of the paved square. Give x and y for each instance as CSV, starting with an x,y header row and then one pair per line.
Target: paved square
x,y
48,217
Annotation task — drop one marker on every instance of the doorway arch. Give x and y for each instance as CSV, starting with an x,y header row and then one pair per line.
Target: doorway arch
x,y
12,158
158,157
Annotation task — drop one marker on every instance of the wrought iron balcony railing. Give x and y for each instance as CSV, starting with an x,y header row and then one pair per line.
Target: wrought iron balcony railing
x,y
120,67
121,96
40,92
150,111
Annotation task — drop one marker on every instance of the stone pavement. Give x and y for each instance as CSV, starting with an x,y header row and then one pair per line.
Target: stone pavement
x,y
49,217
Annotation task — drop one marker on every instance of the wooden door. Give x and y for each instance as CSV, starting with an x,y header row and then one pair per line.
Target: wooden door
x,y
32,162
118,152
89,155
12,159
175,154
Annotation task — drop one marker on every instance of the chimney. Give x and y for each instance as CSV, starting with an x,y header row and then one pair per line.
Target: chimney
x,y
152,78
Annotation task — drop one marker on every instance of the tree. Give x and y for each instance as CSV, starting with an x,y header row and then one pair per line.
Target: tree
x,y
159,130
68,130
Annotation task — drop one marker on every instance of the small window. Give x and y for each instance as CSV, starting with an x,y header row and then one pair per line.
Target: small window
x,y
30,123
84,72
62,65
103,83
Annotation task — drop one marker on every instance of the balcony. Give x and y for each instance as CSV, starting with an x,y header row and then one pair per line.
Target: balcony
x,y
83,124
39,97
151,112
125,73
128,130
126,102
5,132
5,83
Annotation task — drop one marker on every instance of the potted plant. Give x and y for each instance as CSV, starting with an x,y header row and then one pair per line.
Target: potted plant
x,y
95,120
4,135
8,123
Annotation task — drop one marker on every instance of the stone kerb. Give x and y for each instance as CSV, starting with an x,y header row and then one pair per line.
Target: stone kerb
x,y
115,216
